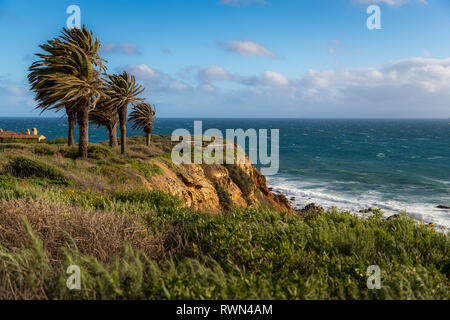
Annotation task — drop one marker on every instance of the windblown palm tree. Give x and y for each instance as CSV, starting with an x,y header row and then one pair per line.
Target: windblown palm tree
x,y
107,117
122,90
83,41
67,77
71,121
143,117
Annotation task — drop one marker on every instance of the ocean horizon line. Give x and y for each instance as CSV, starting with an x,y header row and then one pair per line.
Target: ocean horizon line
x,y
253,118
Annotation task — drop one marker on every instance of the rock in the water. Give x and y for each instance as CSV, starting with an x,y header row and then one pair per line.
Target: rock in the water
x,y
366,210
443,207
312,207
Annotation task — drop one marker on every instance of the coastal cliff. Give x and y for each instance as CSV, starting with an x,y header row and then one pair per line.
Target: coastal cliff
x,y
215,188
116,217
210,188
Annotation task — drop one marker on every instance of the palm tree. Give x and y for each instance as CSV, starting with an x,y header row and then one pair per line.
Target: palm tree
x,y
143,117
66,77
107,117
122,90
83,41
71,121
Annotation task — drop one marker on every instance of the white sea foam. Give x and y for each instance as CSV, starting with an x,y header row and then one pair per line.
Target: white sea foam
x,y
306,192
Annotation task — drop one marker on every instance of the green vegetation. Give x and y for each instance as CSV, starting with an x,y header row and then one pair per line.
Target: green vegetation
x,y
13,140
224,197
146,169
134,243
241,179
43,149
114,174
59,140
239,255
23,167
98,152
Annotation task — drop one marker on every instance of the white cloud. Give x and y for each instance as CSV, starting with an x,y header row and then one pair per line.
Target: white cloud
x,y
248,48
275,78
178,86
207,88
155,80
213,73
15,91
144,73
406,87
422,73
412,87
217,73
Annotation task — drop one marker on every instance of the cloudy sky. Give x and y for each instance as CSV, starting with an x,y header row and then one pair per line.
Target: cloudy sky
x,y
251,58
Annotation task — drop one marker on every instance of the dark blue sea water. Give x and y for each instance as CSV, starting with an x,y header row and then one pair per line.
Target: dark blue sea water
x,y
351,164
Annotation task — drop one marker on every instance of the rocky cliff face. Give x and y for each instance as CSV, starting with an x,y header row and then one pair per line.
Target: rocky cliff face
x,y
214,188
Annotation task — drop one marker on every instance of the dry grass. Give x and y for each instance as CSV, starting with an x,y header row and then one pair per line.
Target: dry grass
x,y
95,233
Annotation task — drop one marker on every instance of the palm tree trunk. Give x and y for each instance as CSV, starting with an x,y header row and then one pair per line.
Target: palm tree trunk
x,y
148,137
83,124
123,129
113,135
71,135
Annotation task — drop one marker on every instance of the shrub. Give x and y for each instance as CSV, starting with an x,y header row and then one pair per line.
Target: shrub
x,y
114,174
147,169
243,254
98,152
224,197
12,140
13,146
161,201
59,140
167,155
241,179
23,167
7,182
94,152
44,150
69,152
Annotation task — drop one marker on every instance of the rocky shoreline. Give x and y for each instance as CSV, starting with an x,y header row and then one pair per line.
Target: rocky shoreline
x,y
316,208
311,207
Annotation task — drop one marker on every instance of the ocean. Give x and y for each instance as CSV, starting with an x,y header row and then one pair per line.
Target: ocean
x,y
394,165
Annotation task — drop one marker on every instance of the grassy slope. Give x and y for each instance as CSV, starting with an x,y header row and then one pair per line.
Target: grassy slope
x,y
137,244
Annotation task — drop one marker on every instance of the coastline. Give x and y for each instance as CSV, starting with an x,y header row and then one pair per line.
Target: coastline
x,y
308,204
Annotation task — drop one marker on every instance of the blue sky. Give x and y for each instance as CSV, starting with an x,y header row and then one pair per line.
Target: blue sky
x,y
251,58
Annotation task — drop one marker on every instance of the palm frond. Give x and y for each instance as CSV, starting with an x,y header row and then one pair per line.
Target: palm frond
x,y
143,116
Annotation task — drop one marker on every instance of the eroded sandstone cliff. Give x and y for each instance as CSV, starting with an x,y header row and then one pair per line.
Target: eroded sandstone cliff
x,y
214,188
